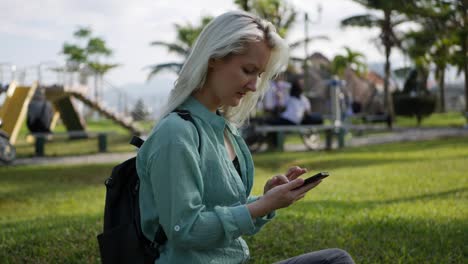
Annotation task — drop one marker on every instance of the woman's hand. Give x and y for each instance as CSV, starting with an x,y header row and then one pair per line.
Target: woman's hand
x,y
281,191
287,194
280,179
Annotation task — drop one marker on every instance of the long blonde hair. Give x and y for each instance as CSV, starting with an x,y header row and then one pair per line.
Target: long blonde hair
x,y
228,34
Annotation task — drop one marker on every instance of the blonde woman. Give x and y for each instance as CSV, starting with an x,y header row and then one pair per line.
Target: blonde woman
x,y
196,177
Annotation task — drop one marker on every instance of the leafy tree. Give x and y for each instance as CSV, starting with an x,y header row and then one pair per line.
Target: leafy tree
x,y
387,22
415,100
245,5
458,24
445,21
281,14
140,111
186,37
424,48
89,55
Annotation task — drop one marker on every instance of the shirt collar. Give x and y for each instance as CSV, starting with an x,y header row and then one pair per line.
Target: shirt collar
x,y
201,111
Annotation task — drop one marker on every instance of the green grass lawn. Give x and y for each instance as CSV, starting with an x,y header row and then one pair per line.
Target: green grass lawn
x,y
449,119
396,203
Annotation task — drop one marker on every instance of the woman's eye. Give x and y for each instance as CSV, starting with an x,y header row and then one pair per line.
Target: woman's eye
x,y
247,71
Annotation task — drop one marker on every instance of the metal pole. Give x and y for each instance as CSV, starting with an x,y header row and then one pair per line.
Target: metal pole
x,y
306,52
39,76
13,73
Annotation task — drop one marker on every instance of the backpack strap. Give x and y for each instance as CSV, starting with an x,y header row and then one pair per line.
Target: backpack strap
x,y
136,141
185,114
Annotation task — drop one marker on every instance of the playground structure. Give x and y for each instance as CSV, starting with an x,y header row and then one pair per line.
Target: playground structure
x,y
18,98
14,108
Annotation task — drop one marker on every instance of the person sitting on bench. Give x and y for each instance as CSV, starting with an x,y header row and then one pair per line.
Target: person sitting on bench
x,y
298,109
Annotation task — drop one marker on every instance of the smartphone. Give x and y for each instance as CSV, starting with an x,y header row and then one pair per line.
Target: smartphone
x,y
316,177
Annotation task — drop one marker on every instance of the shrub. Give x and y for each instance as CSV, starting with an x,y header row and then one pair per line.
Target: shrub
x,y
419,106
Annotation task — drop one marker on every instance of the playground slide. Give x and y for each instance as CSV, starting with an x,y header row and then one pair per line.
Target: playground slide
x,y
62,98
124,122
14,109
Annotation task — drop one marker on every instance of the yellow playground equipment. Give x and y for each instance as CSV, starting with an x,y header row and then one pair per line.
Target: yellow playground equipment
x,y
14,110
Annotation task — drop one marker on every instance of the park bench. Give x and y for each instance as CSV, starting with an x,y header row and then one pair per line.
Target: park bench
x,y
280,132
40,139
330,132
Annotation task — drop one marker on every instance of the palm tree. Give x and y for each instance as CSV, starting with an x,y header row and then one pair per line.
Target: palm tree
x,y
352,59
186,37
388,22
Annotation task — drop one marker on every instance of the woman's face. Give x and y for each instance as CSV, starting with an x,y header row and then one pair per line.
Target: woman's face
x,y
230,79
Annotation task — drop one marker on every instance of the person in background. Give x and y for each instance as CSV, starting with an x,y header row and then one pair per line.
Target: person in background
x,y
297,106
274,101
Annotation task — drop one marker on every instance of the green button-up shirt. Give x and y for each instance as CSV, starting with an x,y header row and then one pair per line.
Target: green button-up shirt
x,y
196,194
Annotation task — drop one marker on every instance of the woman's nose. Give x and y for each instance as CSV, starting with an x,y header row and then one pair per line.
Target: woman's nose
x,y
252,85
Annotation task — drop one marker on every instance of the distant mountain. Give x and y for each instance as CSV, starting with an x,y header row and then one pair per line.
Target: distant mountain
x,y
377,67
154,94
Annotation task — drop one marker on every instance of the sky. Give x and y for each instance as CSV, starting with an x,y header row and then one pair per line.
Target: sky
x,y
33,31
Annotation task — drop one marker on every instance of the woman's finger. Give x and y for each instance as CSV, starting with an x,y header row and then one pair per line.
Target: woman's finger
x,y
299,197
304,189
292,169
275,181
281,179
295,172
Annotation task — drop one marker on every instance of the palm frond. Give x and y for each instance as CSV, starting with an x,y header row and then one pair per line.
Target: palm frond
x,y
172,47
361,21
301,42
171,66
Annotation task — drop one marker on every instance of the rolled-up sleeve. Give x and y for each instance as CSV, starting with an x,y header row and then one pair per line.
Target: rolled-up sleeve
x,y
177,185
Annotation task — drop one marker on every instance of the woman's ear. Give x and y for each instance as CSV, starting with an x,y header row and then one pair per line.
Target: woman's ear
x,y
213,62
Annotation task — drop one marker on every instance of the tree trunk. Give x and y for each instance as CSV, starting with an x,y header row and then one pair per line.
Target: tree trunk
x,y
441,73
388,104
465,67
101,87
464,40
96,87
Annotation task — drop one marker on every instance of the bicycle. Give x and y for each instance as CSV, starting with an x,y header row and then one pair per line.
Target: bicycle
x,y
255,140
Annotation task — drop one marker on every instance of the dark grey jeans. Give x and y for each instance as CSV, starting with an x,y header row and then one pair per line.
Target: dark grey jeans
x,y
326,256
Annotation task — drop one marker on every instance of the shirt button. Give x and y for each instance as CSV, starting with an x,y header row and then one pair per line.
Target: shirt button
x,y
177,228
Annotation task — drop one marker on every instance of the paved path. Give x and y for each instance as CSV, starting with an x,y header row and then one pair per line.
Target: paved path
x,y
399,135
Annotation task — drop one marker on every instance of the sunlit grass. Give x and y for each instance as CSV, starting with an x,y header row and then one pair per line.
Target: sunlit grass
x,y
396,203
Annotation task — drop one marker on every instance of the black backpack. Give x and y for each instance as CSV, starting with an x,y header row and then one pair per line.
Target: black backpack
x,y
122,240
